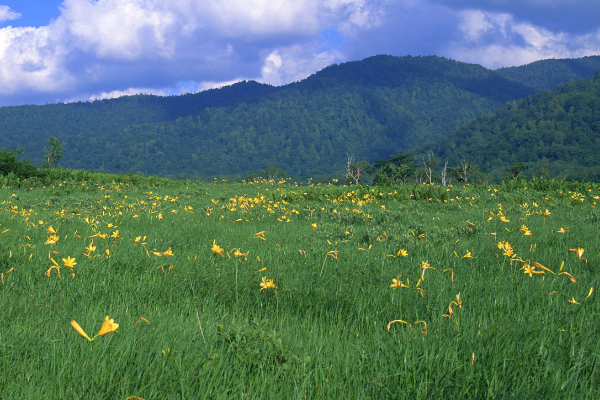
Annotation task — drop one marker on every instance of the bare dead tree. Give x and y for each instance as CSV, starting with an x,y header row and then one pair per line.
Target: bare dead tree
x,y
428,165
465,170
445,173
353,170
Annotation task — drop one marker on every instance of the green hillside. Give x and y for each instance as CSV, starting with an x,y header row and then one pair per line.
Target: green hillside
x,y
553,133
370,108
547,74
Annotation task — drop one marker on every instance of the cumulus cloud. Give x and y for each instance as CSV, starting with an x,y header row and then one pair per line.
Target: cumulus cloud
x,y
105,48
575,16
293,64
498,40
6,14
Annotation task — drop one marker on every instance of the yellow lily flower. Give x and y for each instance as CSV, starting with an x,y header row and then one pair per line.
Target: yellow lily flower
x,y
267,284
69,262
217,249
108,326
396,283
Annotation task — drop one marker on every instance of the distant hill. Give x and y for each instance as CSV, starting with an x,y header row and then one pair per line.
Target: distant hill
x,y
554,133
547,74
370,108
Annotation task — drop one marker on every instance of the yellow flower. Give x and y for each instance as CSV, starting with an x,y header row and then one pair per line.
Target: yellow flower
x,y
168,253
524,228
52,240
69,262
217,249
115,235
108,326
573,301
530,270
468,255
238,253
314,226
91,248
396,283
76,326
51,230
402,253
579,251
267,284
508,250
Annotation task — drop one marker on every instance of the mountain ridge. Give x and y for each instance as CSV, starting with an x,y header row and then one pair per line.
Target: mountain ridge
x,y
370,108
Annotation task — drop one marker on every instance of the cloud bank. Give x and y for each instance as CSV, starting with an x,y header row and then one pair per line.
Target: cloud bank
x,y
106,48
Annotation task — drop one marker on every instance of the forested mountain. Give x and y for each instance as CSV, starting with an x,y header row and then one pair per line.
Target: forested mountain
x,y
370,108
547,74
553,133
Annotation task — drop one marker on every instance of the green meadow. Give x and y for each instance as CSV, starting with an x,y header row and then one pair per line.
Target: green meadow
x,y
280,290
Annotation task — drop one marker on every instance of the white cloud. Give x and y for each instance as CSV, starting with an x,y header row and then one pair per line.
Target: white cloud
x,y
497,40
120,29
104,47
356,14
295,63
206,85
6,14
129,92
32,60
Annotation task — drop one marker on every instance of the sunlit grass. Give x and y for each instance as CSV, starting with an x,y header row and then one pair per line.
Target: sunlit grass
x,y
270,290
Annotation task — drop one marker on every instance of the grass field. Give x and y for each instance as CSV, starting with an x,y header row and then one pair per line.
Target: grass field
x,y
259,290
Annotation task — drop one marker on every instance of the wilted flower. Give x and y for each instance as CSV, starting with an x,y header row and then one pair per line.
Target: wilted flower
x,y
78,328
578,251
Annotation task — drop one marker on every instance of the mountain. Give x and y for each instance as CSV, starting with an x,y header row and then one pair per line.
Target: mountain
x,y
553,133
547,74
370,108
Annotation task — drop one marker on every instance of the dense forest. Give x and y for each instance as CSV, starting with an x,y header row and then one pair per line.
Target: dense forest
x,y
552,133
370,109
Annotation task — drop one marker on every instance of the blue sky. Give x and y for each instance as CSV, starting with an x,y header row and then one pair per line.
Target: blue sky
x,y
71,50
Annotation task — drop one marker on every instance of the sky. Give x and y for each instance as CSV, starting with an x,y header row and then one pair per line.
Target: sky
x,y
55,51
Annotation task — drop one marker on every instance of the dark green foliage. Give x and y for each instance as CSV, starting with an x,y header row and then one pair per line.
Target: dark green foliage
x,y
547,74
54,153
550,134
10,165
370,108
398,170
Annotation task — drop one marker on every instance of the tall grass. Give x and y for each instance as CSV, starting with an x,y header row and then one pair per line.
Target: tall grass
x,y
197,324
